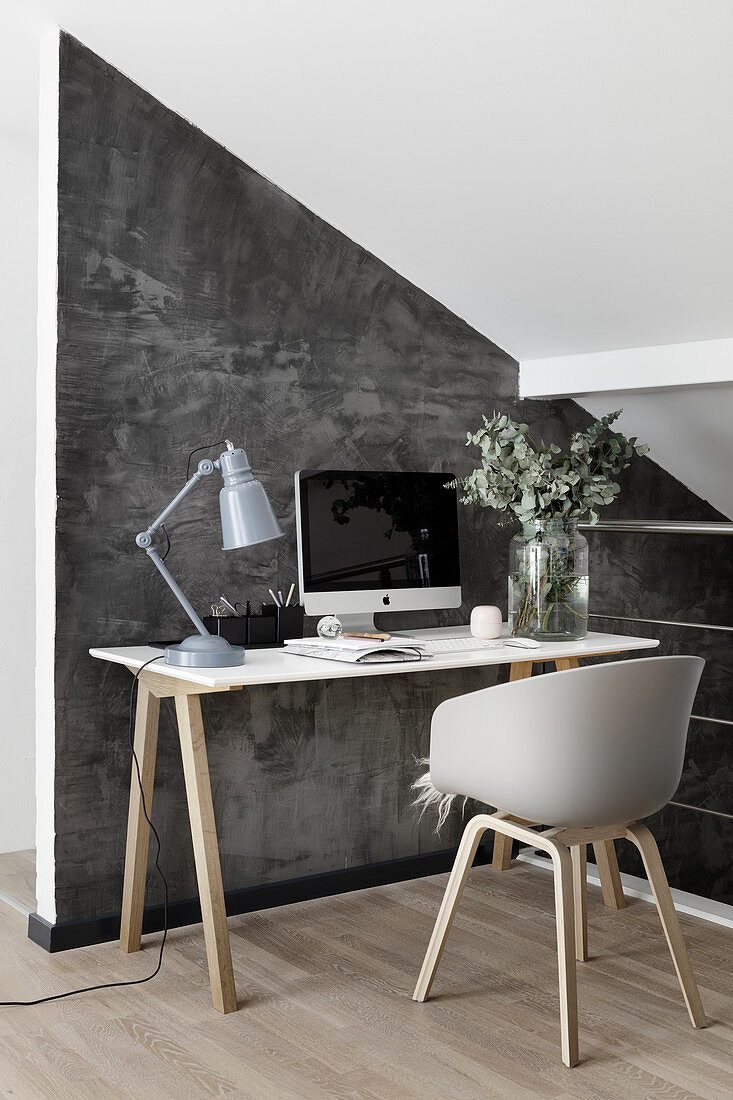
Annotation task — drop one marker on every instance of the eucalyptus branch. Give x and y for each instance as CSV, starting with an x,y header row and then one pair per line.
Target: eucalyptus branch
x,y
532,482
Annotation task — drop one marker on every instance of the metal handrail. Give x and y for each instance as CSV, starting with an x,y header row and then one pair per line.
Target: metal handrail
x,y
671,527
660,526
701,809
659,622
720,721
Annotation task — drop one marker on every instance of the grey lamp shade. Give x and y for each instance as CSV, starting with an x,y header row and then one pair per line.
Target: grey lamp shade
x,y
246,513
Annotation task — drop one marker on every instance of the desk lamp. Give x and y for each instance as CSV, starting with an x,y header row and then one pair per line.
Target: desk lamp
x,y
246,518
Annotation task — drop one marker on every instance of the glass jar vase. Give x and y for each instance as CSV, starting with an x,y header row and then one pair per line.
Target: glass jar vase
x,y
548,581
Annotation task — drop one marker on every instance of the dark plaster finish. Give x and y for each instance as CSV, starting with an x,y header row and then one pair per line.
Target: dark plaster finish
x,y
696,571
706,780
697,848
196,299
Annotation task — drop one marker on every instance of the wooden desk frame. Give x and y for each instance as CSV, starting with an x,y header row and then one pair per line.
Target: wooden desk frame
x,y
152,687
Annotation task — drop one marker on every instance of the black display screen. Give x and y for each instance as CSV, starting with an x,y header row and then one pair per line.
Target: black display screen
x,y
373,531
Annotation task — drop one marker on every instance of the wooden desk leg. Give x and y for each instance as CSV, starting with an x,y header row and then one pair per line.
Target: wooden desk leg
x,y
138,830
604,851
502,857
206,851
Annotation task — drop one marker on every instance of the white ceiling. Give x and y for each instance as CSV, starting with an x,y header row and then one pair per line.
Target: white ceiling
x,y
557,172
688,431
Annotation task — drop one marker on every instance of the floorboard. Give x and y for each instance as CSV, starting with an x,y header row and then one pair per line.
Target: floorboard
x,y
326,1011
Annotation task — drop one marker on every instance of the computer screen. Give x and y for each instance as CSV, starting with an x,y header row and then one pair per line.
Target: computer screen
x,y
377,531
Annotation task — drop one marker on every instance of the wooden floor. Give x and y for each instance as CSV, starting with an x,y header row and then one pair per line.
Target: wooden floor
x,y
325,1011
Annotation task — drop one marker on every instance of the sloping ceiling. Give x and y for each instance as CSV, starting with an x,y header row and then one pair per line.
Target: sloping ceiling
x,y
556,172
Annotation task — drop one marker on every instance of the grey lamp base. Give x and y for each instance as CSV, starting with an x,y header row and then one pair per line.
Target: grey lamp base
x,y
204,651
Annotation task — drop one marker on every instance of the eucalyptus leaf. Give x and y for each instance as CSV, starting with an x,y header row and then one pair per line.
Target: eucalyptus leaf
x,y
541,482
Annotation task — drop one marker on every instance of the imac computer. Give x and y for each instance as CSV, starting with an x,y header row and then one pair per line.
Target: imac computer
x,y
372,542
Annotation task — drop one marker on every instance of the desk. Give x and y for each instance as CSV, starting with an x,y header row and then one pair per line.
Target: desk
x,y
274,666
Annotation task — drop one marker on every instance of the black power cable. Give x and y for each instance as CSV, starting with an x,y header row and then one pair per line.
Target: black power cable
x,y
136,981
168,542
204,447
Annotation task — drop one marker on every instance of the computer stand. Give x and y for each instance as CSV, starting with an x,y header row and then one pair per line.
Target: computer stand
x,y
364,624
358,624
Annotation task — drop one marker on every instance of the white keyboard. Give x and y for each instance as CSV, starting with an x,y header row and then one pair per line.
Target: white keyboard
x,y
436,646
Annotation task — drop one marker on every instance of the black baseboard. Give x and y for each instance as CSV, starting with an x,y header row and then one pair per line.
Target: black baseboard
x,y
82,933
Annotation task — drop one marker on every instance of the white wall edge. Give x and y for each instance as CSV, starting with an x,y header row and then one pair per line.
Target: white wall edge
x,y
717,912
702,363
46,474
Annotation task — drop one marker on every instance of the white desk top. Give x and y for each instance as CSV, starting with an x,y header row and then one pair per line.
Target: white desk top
x,y
275,666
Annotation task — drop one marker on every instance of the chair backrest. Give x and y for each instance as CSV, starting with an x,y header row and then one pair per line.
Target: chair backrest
x,y
591,746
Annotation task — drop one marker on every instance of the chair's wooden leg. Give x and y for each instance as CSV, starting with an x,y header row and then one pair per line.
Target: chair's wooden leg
x,y
464,860
647,845
138,831
564,918
578,856
501,859
206,851
608,872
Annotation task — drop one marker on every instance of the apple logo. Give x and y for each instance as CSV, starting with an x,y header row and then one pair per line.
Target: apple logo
x,y
385,601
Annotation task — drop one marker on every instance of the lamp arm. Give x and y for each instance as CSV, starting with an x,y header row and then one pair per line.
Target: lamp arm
x,y
205,467
177,591
145,541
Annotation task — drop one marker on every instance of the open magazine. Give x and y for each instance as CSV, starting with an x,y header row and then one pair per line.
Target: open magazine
x,y
356,651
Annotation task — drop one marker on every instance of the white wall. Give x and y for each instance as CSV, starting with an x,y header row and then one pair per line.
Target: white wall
x,y
17,542
18,243
45,487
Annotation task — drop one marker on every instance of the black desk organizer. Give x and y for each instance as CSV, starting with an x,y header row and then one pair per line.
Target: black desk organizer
x,y
288,620
271,628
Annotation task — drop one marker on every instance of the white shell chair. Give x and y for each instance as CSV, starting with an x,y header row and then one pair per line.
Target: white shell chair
x,y
587,752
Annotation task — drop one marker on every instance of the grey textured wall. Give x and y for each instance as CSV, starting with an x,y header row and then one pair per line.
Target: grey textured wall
x,y
196,300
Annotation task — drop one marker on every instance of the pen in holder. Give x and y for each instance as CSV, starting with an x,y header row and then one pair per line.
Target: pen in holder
x,y
288,620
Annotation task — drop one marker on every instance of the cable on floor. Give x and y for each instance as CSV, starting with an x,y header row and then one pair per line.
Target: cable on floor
x,y
136,981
